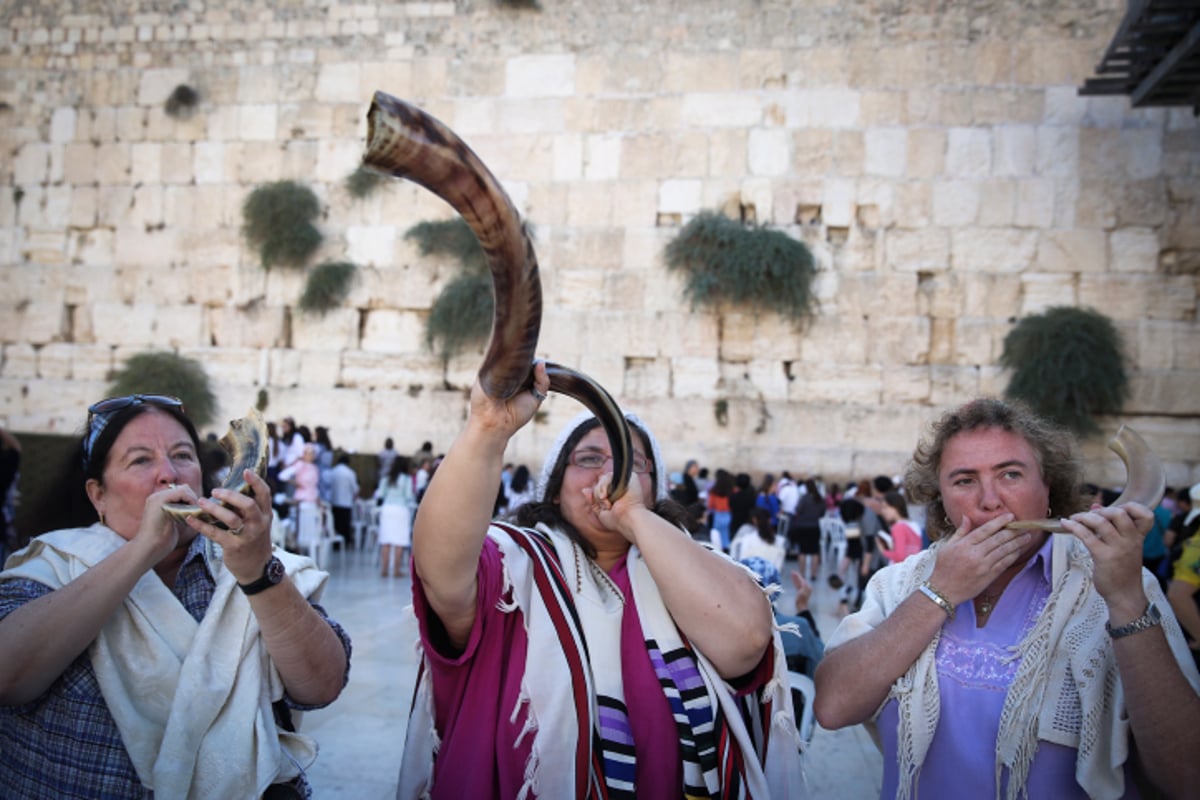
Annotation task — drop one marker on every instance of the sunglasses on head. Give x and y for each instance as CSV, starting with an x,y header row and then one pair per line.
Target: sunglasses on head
x,y
101,412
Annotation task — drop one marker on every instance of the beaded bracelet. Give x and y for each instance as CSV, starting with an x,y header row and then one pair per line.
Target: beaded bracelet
x,y
933,594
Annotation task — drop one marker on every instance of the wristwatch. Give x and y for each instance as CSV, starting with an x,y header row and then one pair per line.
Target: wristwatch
x,y
273,573
1151,618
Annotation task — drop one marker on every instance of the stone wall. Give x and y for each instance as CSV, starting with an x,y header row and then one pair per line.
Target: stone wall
x,y
939,162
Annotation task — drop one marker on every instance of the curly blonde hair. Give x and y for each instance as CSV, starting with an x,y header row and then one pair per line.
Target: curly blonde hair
x,y
1053,447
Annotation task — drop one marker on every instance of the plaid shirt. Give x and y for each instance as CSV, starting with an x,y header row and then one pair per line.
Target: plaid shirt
x,y
65,744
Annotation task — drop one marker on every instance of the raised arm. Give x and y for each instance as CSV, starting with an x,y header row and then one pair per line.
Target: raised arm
x,y
456,510
854,678
1161,704
716,603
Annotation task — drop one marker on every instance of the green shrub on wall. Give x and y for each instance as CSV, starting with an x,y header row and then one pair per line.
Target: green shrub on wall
x,y
278,222
461,315
363,182
451,237
746,266
162,372
1068,365
328,285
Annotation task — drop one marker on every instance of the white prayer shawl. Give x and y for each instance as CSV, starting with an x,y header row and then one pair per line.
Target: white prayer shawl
x,y
192,700
1066,662
547,684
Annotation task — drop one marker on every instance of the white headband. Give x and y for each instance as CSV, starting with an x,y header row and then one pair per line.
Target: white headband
x,y
660,473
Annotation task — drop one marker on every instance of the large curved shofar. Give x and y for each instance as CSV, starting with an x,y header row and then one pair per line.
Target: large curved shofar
x,y
1145,484
405,142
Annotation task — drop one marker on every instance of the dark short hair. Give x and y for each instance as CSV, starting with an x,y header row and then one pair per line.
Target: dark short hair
x,y
1053,447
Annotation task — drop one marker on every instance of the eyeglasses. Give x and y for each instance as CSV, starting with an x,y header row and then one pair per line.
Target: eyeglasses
x,y
101,412
594,460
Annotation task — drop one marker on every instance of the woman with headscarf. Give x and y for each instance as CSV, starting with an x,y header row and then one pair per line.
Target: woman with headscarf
x,y
595,651
140,660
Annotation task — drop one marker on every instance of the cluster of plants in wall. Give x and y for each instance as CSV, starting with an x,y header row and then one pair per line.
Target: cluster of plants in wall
x,y
732,264
279,222
461,315
1068,364
164,372
363,182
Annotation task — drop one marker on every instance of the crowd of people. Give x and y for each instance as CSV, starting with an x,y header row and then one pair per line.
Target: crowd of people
x,y
578,644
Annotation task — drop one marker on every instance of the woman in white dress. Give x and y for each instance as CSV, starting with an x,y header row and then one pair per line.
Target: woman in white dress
x,y
397,502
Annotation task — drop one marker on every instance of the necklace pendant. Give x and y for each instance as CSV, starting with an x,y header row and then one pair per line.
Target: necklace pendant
x,y
985,609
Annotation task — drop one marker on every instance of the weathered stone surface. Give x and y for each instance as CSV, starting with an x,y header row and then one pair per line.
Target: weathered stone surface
x,y
946,184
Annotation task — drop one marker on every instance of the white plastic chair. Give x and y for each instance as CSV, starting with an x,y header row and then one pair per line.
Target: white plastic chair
x,y
833,540
311,536
804,685
335,538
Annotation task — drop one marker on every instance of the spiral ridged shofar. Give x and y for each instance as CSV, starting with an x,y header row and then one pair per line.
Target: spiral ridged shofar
x,y
404,141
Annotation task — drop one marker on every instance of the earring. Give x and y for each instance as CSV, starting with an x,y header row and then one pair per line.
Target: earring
x,y
1049,513
102,518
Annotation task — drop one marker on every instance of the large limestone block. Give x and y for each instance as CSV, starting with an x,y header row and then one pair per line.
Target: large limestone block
x,y
1057,151
770,379
768,151
926,152
540,75
907,385
968,153
978,342
155,85
885,152
694,377
1034,205
1072,251
900,339
589,204
646,378
48,406
992,250
832,339
634,204
1040,291
953,385
393,331
852,384
337,329
398,370
1015,150
337,81
371,245
721,109
997,203
956,202
137,246
228,366
32,163
42,322
91,362
255,325
1164,392
43,247
1134,250
20,362
1126,154
1133,297
1154,345
823,108
921,250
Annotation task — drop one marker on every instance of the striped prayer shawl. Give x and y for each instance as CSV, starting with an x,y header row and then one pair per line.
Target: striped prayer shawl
x,y
725,743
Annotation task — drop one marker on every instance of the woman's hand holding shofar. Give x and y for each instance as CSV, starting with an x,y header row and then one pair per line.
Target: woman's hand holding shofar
x,y
970,560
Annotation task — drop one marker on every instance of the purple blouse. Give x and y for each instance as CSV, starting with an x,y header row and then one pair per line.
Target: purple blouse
x,y
974,673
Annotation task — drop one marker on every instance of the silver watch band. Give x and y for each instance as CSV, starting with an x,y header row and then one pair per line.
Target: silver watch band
x,y
1148,620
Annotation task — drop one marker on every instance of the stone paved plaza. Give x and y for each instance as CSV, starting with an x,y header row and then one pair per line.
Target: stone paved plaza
x,y
361,736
